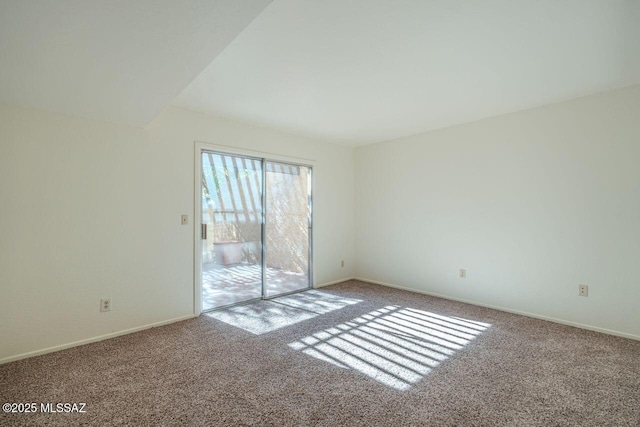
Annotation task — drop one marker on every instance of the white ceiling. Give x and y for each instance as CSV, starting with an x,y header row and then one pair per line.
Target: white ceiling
x,y
115,60
362,71
348,71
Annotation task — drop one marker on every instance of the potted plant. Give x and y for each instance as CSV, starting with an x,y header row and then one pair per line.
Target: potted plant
x,y
227,248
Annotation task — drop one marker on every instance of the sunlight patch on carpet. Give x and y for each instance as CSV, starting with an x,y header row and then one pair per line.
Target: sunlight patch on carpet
x,y
395,346
319,302
268,316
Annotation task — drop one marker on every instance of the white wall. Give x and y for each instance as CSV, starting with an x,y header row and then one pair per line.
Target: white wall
x,y
91,210
531,204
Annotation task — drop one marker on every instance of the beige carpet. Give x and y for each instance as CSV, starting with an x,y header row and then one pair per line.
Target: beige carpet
x,y
350,354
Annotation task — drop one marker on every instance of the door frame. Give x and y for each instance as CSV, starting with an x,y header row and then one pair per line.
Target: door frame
x,y
200,147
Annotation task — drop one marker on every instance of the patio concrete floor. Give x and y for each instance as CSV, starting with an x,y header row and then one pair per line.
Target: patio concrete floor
x,y
225,285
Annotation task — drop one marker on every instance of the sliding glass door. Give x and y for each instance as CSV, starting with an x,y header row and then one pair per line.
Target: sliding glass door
x,y
288,226
231,232
255,229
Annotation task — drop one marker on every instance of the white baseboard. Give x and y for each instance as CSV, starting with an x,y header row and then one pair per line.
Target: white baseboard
x,y
93,339
119,333
362,279
333,283
508,310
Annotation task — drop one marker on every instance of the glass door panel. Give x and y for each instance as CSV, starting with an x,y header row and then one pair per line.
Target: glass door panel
x,y
231,229
287,228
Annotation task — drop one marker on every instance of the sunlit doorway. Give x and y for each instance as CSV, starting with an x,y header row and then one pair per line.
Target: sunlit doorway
x,y
255,232
287,228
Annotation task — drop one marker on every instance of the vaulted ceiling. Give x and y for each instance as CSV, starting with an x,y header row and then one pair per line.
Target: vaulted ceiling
x,y
121,61
348,71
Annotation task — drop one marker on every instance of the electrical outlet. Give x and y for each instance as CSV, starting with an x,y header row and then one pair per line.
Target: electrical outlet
x,y
342,263
184,219
105,304
583,290
463,273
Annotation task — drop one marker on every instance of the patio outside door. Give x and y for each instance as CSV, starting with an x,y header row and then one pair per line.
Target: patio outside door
x,y
255,229
287,228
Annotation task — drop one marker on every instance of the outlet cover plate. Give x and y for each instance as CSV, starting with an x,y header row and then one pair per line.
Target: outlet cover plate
x,y
583,290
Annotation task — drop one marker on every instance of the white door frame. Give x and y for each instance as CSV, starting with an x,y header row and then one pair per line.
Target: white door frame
x,y
197,215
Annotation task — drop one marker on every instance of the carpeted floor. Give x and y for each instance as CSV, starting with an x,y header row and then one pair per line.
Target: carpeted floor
x,y
346,355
